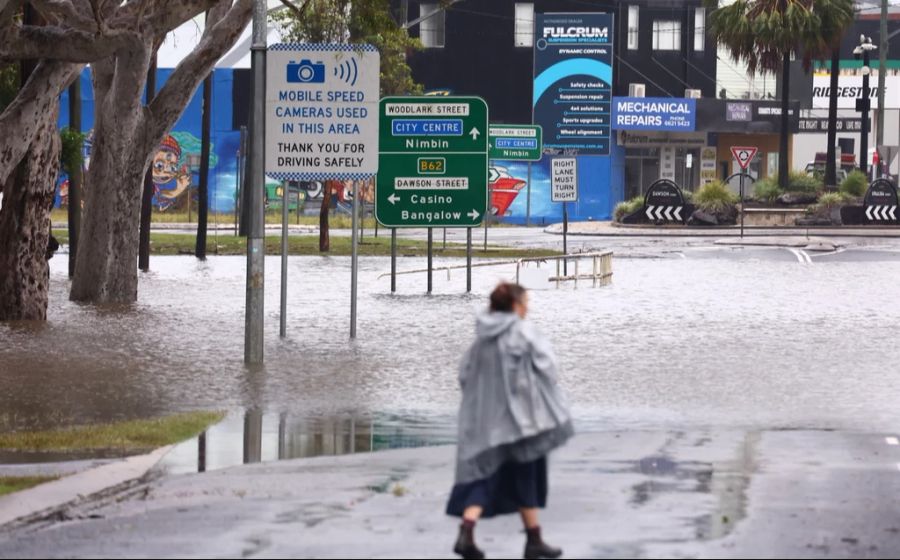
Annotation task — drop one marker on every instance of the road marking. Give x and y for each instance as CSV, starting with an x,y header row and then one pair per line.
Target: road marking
x,y
802,256
891,440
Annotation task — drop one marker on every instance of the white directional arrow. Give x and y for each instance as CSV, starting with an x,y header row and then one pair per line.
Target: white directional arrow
x,y
393,199
678,213
669,213
650,212
659,213
893,212
869,213
474,133
473,214
879,212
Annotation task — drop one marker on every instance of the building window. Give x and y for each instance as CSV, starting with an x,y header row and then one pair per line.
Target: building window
x,y
524,24
431,29
699,29
633,13
666,35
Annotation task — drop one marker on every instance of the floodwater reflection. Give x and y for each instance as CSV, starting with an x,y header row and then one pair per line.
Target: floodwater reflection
x,y
252,436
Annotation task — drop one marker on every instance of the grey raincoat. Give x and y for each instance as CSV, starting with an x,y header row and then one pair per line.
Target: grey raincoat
x,y
512,409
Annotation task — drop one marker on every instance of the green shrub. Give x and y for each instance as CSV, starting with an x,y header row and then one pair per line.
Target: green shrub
x,y
767,190
688,196
714,197
799,181
828,202
628,207
855,184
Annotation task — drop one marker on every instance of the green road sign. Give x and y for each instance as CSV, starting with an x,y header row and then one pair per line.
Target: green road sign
x,y
432,162
515,142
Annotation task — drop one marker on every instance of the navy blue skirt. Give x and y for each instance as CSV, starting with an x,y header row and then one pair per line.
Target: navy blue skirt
x,y
512,487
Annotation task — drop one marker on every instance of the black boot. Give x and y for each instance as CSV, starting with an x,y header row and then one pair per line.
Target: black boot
x,y
536,547
465,544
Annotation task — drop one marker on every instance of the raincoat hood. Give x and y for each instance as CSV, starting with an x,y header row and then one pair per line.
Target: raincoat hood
x,y
492,324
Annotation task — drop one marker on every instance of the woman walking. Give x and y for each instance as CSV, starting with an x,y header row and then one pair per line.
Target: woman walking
x,y
512,415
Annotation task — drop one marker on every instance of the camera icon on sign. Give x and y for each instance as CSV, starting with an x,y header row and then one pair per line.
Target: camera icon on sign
x,y
305,72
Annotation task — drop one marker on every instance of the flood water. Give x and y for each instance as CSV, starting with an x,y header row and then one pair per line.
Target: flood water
x,y
671,343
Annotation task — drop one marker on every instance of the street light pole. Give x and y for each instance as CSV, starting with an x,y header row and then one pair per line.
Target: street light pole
x,y
863,105
256,250
882,73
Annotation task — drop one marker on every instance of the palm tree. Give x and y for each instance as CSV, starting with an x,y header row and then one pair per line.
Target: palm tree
x,y
767,34
836,16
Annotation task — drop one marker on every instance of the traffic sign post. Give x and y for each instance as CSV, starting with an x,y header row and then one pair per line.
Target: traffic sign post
x,y
322,123
564,188
743,155
513,142
433,162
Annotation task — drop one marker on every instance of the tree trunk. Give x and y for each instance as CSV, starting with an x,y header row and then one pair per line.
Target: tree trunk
x,y
25,227
324,240
830,163
203,191
783,163
106,269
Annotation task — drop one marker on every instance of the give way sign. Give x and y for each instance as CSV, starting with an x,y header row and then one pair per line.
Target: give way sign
x,y
744,155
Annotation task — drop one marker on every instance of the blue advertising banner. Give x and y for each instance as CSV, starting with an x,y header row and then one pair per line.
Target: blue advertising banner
x,y
573,80
654,113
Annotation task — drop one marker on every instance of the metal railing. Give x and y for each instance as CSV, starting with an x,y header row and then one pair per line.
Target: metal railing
x,y
600,274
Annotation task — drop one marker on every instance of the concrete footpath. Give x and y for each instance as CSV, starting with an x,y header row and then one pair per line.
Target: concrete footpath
x,y
79,480
703,493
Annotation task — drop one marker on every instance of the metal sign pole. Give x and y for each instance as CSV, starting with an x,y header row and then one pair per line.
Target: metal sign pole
x,y
282,330
430,247
354,264
528,198
742,205
487,216
468,260
393,260
256,249
565,238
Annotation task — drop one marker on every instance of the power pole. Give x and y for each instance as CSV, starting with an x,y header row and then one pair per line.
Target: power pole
x,y
147,195
203,191
882,72
256,248
75,176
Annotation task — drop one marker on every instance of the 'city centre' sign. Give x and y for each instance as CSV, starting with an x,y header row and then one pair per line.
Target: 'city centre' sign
x,y
434,162
322,111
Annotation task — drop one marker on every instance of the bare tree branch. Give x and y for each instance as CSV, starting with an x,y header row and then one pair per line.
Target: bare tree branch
x,y
215,14
182,83
299,12
8,8
161,16
42,89
68,45
98,19
63,12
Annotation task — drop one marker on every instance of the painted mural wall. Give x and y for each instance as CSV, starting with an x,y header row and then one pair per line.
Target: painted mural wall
x,y
176,165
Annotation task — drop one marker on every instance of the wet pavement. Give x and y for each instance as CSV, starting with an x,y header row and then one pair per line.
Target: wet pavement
x,y
615,494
